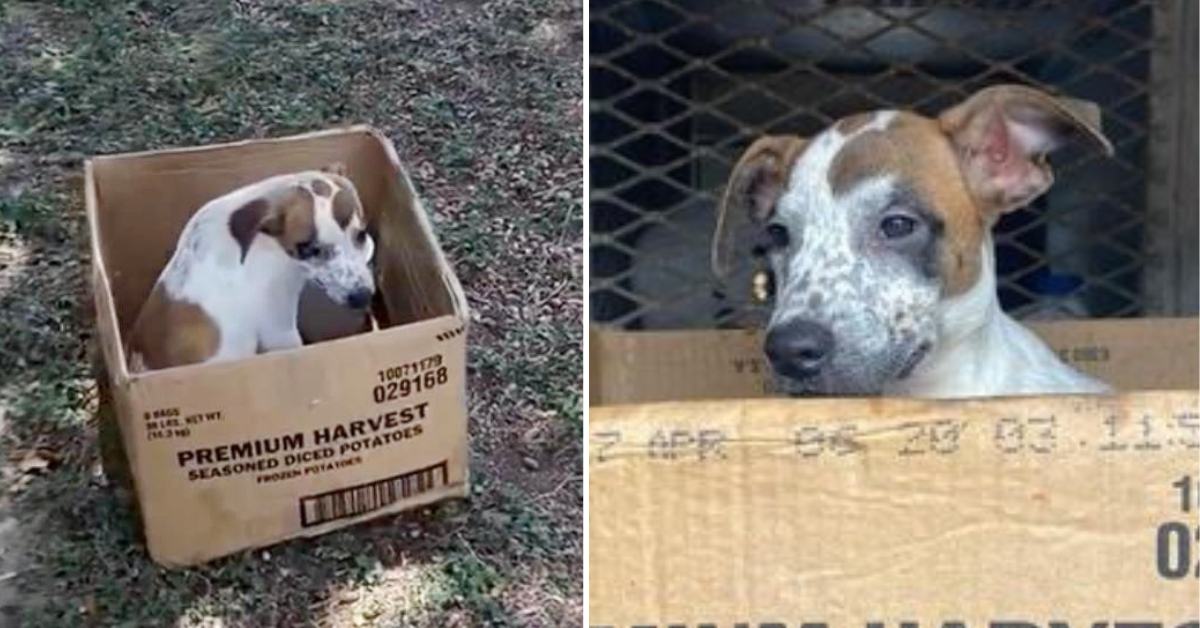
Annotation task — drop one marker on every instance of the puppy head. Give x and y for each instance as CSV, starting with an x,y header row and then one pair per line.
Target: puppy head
x,y
872,223
318,222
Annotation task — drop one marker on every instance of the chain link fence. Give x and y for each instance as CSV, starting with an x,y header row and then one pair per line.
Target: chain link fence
x,y
679,88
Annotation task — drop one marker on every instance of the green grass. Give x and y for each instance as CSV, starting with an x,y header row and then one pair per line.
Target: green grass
x,y
457,150
534,367
34,215
484,115
473,584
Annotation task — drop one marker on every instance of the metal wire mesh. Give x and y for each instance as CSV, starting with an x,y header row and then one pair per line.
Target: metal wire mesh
x,y
680,87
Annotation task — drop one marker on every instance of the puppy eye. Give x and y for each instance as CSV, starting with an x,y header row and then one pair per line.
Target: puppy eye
x,y
307,249
778,235
897,226
360,238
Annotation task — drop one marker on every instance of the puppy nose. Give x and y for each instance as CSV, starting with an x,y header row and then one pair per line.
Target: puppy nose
x,y
358,299
799,349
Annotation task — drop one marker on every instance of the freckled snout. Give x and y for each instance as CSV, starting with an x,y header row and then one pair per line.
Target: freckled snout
x,y
799,348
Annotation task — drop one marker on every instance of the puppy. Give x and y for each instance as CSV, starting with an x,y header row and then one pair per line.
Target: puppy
x,y
233,285
878,232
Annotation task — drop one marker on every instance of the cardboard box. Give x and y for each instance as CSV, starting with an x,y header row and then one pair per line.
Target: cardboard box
x,y
242,454
1034,512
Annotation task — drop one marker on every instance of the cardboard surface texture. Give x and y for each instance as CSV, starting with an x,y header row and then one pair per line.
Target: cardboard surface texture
x,y
638,367
1035,512
371,420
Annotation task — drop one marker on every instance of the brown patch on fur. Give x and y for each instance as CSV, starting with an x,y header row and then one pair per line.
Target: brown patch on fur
x,y
245,221
321,188
346,204
290,220
755,185
760,176
172,333
850,124
914,150
286,216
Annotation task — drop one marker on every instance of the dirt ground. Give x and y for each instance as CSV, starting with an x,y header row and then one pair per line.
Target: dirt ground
x,y
482,99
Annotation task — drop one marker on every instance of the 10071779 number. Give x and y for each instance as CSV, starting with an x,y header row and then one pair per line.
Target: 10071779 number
x,y
403,387
409,369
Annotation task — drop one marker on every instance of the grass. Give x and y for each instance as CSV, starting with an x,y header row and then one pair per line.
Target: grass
x,y
482,100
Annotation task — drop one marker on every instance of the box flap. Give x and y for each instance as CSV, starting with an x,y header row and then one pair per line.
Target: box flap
x,y
644,366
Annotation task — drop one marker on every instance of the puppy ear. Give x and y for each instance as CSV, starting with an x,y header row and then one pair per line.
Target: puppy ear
x,y
1002,135
246,221
336,167
285,215
757,182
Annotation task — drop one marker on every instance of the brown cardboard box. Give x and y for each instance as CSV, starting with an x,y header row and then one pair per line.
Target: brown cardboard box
x,y
1036,512
295,443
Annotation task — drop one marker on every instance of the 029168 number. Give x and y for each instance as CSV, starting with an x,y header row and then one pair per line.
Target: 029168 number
x,y
1177,543
401,388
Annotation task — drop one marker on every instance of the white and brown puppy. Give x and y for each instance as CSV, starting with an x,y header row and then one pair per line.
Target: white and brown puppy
x,y
233,285
878,232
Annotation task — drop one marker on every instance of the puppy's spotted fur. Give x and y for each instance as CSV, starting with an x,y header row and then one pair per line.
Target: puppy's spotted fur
x,y
878,233
233,285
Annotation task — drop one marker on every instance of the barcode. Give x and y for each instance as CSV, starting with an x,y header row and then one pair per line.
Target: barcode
x,y
364,498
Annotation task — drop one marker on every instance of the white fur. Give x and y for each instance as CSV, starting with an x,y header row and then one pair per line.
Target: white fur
x,y
812,213
982,351
253,301
977,350
822,275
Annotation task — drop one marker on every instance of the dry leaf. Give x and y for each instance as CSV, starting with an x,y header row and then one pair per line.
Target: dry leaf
x,y
34,462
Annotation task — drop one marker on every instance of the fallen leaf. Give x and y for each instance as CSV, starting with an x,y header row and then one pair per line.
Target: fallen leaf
x,y
34,462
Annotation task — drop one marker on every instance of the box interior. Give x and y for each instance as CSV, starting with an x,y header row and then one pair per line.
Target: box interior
x,y
143,202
